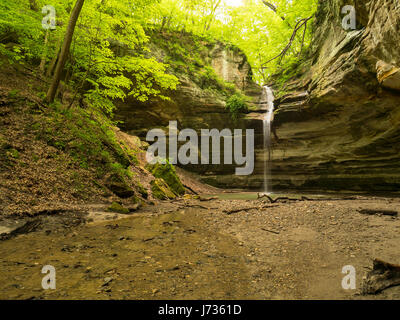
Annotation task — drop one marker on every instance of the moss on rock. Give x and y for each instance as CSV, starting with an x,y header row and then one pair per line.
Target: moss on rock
x,y
142,190
118,208
168,174
118,186
161,190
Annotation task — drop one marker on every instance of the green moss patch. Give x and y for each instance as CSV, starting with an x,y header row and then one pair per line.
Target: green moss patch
x,y
161,190
118,208
168,174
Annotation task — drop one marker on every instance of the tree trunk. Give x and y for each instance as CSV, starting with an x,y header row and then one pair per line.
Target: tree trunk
x,y
44,55
33,5
53,62
211,16
64,50
383,275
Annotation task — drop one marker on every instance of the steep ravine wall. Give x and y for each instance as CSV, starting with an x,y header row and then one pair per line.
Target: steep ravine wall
x,y
337,122
197,103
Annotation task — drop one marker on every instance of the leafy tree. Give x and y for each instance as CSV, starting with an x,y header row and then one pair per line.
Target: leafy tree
x,y
262,29
107,58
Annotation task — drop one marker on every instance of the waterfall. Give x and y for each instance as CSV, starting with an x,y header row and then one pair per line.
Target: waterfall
x,y
268,99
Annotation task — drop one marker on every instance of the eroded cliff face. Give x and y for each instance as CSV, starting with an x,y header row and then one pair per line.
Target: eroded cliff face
x,y
200,99
339,123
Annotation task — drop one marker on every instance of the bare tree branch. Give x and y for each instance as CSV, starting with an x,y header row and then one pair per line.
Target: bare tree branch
x,y
275,9
301,23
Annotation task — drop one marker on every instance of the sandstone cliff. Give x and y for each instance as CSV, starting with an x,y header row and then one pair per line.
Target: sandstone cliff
x,y
339,122
337,119
209,72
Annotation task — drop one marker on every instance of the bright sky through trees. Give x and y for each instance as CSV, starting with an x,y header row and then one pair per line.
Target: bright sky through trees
x,y
234,3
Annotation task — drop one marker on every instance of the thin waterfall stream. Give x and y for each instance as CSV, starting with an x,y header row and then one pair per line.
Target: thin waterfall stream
x,y
268,98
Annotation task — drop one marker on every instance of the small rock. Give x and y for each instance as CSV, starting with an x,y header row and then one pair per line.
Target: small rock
x,y
107,281
118,208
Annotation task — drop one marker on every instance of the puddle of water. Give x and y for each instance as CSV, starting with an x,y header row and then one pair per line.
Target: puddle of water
x,y
254,196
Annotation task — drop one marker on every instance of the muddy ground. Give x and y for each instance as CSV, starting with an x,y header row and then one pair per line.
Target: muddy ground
x,y
192,249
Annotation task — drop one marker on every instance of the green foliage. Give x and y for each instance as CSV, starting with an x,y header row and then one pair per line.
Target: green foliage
x,y
237,104
20,31
189,55
262,34
254,28
110,60
106,61
108,51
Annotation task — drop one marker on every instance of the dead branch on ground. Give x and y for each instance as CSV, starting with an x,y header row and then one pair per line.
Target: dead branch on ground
x,y
229,212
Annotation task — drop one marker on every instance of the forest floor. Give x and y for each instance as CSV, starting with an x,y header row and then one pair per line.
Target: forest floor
x,y
199,249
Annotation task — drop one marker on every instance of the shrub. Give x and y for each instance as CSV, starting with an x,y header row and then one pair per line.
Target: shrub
x,y
236,104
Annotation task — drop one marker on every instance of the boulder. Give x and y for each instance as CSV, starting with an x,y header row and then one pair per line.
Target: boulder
x,y
161,190
120,188
118,208
388,75
168,174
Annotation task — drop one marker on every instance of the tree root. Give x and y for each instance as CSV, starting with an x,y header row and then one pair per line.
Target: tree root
x,y
190,189
28,227
383,275
271,200
271,231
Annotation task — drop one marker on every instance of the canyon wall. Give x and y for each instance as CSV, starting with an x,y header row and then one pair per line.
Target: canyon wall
x,y
209,74
337,121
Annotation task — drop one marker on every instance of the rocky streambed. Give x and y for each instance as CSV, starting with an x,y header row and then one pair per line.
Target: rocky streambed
x,y
207,248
